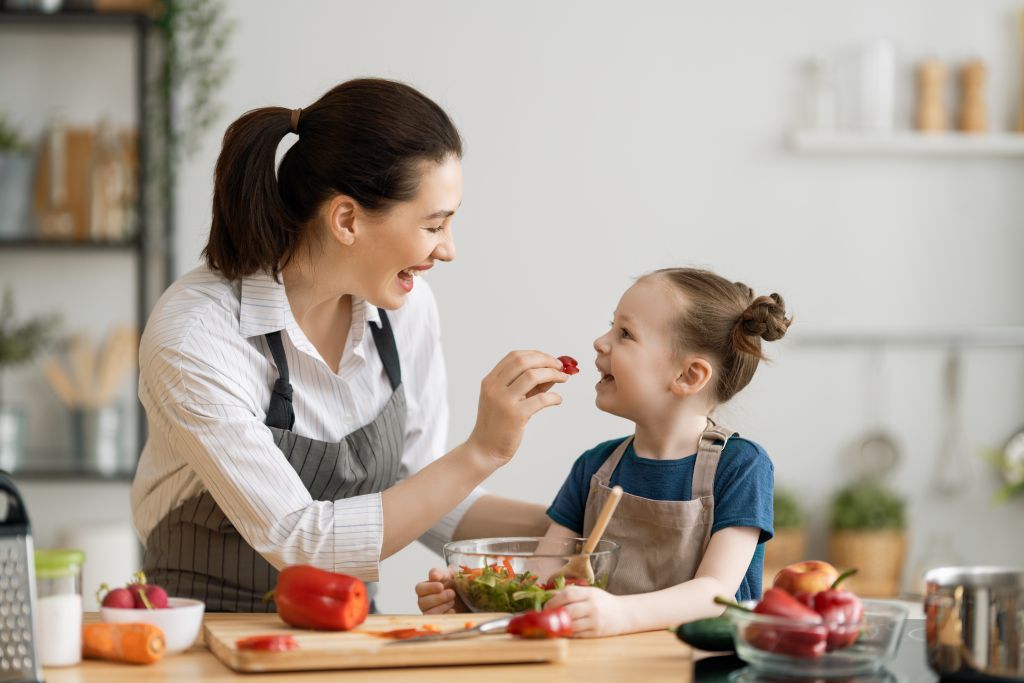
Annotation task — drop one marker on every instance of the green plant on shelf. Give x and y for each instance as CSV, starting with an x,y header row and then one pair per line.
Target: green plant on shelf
x,y
10,139
1009,460
191,76
21,340
867,506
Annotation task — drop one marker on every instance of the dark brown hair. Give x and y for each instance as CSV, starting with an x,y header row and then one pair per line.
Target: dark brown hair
x,y
364,138
726,321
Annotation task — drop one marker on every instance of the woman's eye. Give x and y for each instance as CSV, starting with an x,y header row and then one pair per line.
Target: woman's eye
x,y
435,230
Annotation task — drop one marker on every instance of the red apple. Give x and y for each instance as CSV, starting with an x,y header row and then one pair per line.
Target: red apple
x,y
811,576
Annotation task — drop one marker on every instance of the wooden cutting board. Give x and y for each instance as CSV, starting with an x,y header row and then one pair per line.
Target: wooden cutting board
x,y
360,649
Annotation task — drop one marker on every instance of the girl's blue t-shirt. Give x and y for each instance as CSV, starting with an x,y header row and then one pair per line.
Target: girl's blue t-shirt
x,y
744,486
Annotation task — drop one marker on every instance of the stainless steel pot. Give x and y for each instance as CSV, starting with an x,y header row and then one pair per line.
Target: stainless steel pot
x,y
975,622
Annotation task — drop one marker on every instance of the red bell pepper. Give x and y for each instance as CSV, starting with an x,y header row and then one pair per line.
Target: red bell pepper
x,y
805,638
842,613
549,623
308,597
267,643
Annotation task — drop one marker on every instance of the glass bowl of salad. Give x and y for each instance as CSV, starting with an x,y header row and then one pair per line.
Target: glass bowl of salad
x,y
517,574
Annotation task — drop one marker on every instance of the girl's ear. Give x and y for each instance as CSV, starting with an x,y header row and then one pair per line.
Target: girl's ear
x,y
694,375
341,212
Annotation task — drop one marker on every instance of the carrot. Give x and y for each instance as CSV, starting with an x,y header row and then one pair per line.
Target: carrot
x,y
132,643
508,567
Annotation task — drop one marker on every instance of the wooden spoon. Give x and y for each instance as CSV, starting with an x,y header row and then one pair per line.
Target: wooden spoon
x,y
579,566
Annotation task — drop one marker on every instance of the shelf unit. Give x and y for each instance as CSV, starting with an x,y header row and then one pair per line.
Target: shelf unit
x,y
139,246
909,144
991,337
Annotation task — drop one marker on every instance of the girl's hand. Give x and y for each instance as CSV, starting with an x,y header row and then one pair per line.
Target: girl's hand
x,y
437,595
595,612
514,391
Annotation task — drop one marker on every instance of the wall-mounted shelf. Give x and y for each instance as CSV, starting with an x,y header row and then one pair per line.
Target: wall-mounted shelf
x,y
908,144
37,244
1009,336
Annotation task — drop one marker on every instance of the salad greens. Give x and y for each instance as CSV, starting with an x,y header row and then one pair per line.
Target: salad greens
x,y
499,588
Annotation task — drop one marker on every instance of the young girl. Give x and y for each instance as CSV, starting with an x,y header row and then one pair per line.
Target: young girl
x,y
697,502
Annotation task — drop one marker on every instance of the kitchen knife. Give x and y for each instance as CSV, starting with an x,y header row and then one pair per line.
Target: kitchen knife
x,y
493,626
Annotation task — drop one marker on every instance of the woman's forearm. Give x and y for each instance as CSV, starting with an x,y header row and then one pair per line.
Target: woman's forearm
x,y
496,516
414,505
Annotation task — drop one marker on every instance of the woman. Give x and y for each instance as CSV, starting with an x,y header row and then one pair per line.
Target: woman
x,y
294,384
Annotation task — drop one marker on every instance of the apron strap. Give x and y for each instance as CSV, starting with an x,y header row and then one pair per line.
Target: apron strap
x,y
604,473
384,338
280,413
712,443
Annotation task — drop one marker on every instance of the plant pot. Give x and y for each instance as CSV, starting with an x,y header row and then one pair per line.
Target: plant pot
x,y
12,438
878,557
15,193
789,546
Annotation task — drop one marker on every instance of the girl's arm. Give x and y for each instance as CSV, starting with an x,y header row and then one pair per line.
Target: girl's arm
x,y
598,613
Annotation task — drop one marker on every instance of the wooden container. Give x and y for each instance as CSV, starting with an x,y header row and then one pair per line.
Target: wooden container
x,y
877,555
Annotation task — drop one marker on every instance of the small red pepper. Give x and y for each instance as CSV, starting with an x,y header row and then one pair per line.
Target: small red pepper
x,y
806,639
549,623
842,613
267,643
569,365
308,597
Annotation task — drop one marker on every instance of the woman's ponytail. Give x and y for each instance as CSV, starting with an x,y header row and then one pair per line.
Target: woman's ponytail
x,y
252,229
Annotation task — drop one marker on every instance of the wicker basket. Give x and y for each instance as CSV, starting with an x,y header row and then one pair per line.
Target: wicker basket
x,y
878,557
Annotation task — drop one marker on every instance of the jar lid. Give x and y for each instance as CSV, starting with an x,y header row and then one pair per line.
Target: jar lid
x,y
55,564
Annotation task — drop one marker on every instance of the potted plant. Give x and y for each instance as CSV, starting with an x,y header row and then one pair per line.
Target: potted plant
x,y
19,342
868,532
790,542
15,181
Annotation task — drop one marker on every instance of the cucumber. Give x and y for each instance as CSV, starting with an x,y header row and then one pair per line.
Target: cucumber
x,y
711,635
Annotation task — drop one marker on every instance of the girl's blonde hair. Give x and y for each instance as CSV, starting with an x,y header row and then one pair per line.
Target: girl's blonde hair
x,y
726,321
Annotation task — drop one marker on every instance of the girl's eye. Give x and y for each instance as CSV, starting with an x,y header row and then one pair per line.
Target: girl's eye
x,y
625,333
435,230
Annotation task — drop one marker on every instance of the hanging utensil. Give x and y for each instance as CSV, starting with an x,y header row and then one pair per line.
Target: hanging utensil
x,y
951,475
876,453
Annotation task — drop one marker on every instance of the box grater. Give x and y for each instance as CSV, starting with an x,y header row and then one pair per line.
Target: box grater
x,y
18,660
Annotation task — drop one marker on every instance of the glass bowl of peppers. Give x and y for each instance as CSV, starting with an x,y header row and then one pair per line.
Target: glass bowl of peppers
x,y
520,574
830,634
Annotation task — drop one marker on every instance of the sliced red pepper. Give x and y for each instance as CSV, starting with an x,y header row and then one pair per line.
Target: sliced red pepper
x,y
508,567
548,623
405,633
308,597
281,643
569,365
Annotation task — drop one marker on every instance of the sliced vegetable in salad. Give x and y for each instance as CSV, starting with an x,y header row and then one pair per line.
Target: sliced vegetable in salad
x,y
497,587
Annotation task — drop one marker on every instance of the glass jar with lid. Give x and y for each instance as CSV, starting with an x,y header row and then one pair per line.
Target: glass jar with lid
x,y
59,606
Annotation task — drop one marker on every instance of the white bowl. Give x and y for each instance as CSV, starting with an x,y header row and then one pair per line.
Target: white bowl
x,y
180,621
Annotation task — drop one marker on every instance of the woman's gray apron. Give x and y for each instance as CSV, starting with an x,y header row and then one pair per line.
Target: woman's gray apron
x,y
196,552
663,541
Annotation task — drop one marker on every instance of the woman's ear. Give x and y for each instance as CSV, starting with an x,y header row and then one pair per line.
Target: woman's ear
x,y
341,212
694,375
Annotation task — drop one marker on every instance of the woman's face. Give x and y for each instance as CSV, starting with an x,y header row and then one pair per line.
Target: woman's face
x,y
392,249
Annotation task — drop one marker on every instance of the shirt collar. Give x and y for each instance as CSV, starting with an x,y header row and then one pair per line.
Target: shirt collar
x,y
264,307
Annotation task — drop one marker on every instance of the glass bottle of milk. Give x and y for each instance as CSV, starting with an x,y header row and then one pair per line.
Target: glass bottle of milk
x,y
59,606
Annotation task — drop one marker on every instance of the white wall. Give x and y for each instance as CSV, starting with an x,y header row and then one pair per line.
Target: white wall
x,y
606,139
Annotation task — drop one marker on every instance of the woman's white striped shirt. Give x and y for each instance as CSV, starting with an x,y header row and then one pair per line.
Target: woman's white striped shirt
x,y
206,375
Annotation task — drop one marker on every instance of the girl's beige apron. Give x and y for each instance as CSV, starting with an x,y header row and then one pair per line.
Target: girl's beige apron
x,y
662,541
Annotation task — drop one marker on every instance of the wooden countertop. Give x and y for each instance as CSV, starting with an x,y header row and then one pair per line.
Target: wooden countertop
x,y
655,656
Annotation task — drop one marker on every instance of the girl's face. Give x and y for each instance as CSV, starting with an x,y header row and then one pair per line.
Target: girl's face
x,y
636,357
395,247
